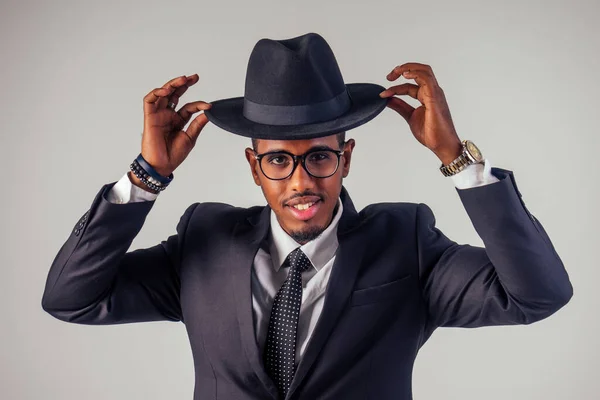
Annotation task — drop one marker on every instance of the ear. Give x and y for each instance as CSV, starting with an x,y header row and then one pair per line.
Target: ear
x,y
347,157
253,165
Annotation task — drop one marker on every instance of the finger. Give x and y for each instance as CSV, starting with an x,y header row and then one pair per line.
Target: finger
x,y
423,78
411,66
190,80
191,108
401,107
172,85
196,126
151,100
176,82
405,89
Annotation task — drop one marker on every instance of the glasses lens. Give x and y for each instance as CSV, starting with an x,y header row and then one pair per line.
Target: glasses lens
x,y
277,165
322,163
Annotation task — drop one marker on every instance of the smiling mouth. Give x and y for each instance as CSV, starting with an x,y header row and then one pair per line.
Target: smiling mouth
x,y
304,206
306,210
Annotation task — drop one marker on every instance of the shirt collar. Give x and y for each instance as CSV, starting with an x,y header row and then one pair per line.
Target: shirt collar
x,y
319,251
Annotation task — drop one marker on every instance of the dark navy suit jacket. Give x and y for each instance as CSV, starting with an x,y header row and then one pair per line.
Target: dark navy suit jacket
x,y
396,278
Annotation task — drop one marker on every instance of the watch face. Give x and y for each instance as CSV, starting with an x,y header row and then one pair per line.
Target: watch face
x,y
474,151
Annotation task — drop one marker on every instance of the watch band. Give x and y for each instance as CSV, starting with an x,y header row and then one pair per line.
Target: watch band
x,y
458,164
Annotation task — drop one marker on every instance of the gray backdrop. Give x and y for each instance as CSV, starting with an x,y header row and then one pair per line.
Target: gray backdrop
x,y
520,79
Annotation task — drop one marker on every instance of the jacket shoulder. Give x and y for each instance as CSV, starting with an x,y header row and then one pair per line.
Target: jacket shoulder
x,y
395,210
208,213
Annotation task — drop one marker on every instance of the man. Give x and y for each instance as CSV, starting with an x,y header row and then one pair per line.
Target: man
x,y
306,298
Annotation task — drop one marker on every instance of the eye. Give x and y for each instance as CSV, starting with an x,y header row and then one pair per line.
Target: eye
x,y
319,156
278,159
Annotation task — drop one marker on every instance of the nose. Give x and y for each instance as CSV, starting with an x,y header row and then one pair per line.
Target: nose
x,y
300,180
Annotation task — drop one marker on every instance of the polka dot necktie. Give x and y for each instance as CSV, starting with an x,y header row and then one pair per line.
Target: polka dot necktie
x,y
280,350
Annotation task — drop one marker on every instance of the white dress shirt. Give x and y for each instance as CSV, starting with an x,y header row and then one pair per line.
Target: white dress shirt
x,y
267,274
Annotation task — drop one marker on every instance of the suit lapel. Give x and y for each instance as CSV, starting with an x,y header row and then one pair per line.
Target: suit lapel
x,y
247,239
341,282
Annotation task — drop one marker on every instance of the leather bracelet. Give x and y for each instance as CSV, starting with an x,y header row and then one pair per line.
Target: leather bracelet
x,y
147,179
152,172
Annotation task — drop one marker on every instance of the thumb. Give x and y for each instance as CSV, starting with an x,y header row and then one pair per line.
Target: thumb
x,y
184,141
196,126
401,107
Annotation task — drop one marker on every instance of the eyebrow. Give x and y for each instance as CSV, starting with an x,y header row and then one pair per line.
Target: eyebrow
x,y
314,148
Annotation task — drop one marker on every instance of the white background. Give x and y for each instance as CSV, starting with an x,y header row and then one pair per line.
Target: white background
x,y
521,82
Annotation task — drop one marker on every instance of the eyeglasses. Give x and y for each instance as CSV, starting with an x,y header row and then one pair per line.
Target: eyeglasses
x,y
319,163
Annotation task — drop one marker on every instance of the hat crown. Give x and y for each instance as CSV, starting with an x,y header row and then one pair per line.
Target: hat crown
x,y
295,90
297,71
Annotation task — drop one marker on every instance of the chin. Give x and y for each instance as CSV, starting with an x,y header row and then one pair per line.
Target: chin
x,y
306,234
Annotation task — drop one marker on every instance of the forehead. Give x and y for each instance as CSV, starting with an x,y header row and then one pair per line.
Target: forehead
x,y
296,146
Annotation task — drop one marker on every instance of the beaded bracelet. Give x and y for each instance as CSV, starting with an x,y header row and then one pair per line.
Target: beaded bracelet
x,y
148,175
146,178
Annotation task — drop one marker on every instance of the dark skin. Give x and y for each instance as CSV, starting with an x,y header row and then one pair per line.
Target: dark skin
x,y
165,144
431,124
279,193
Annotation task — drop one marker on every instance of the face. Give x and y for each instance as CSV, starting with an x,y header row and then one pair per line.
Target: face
x,y
288,198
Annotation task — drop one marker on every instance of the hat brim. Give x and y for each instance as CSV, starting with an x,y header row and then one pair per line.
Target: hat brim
x,y
366,104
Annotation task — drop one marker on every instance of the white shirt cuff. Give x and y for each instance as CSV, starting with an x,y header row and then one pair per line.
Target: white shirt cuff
x,y
474,175
126,192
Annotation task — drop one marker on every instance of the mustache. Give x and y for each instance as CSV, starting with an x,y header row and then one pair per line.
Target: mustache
x,y
303,194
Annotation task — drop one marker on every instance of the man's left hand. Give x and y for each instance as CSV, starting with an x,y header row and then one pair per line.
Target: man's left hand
x,y
431,123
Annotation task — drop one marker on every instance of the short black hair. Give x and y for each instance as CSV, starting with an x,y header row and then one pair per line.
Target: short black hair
x,y
341,137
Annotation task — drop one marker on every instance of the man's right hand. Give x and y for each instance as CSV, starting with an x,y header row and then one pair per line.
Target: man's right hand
x,y
164,142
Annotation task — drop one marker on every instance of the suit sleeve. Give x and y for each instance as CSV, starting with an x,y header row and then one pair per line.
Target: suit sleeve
x,y
94,280
518,278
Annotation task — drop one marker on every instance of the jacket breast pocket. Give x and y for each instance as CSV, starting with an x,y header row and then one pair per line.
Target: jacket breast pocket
x,y
385,292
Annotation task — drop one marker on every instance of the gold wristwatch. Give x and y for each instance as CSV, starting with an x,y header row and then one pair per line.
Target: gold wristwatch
x,y
470,155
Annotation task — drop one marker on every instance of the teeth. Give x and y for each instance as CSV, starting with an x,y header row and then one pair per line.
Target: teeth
x,y
303,206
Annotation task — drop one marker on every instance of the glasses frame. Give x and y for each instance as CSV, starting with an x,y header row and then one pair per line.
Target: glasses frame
x,y
299,159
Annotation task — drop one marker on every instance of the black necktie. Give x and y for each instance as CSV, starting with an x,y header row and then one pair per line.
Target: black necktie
x,y
280,350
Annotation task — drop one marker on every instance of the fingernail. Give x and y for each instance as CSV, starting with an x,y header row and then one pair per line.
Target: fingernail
x,y
382,93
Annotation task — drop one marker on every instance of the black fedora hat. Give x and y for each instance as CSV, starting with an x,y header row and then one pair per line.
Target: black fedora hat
x,y
295,90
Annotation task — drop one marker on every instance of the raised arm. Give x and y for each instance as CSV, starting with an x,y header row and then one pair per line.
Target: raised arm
x,y
518,278
93,280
